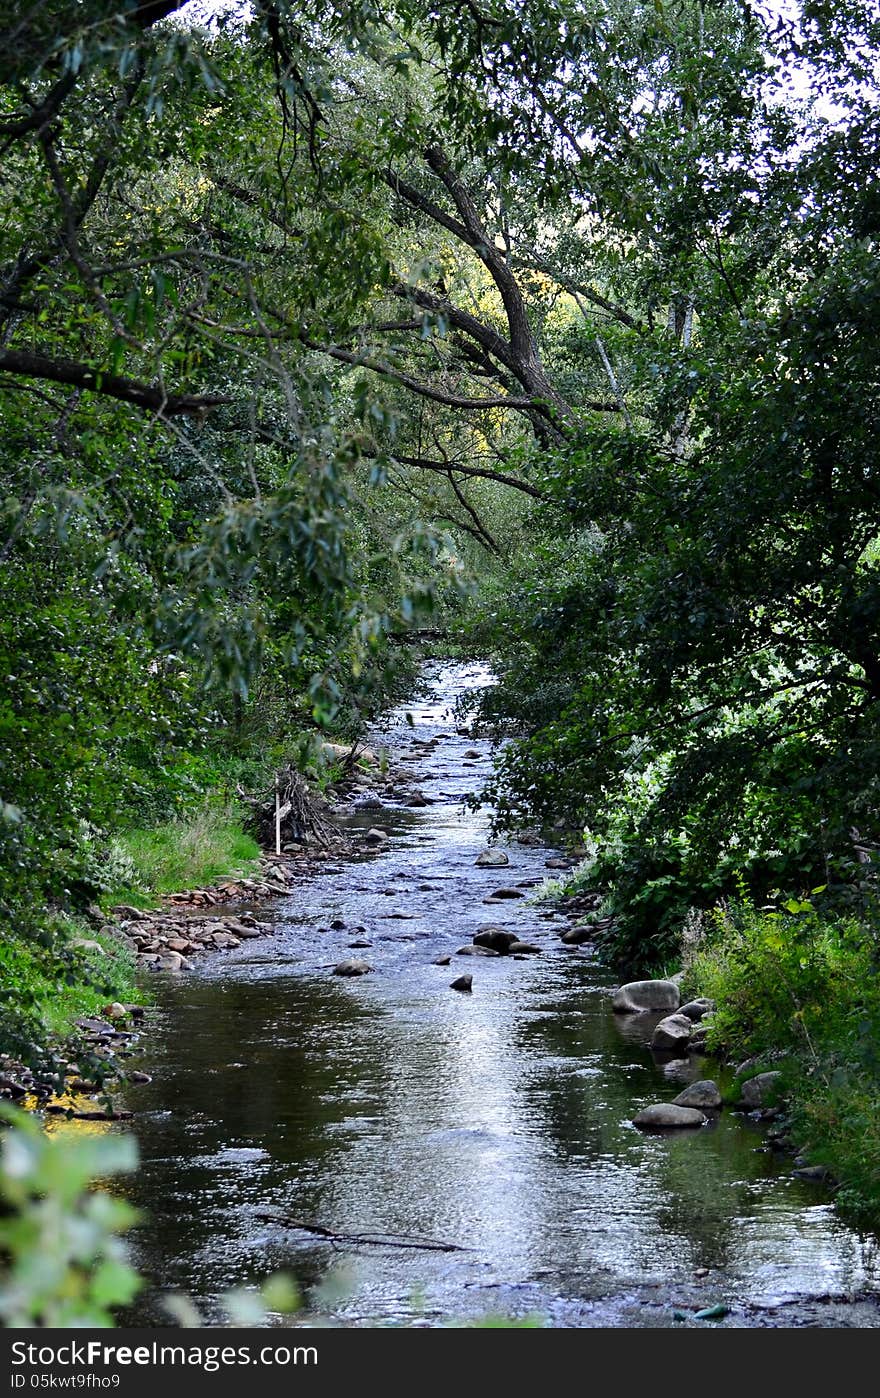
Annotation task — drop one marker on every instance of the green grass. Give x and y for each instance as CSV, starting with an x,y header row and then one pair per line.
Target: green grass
x,y
47,985
182,854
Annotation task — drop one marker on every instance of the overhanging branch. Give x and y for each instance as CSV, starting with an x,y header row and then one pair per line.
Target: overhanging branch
x,y
147,397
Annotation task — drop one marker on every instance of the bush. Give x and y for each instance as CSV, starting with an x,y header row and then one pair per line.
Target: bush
x,y
62,1262
788,980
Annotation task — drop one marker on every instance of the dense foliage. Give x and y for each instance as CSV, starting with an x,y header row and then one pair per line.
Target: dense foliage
x,y
307,310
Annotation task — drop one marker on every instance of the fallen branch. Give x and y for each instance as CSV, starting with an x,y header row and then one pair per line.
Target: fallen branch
x,y
378,1240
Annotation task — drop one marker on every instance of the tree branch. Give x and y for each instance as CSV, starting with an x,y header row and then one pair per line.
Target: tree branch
x,y
451,400
144,396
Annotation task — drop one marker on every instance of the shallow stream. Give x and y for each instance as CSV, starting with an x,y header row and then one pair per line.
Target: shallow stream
x,y
499,1120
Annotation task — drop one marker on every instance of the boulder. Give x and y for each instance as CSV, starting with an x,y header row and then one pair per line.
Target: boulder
x,y
496,938
761,1090
671,1033
441,961
470,950
173,961
501,893
704,1095
491,859
462,983
636,996
352,967
812,1172
576,936
376,836
666,1116
524,949
696,1009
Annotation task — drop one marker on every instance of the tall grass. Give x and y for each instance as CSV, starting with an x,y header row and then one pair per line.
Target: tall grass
x,y
189,852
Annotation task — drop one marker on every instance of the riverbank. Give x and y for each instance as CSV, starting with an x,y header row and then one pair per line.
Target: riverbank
x,y
83,1030
795,996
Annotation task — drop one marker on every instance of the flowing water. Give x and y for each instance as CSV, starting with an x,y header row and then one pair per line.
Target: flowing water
x,y
499,1121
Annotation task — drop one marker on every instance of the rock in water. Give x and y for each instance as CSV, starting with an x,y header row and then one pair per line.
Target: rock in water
x,y
696,1009
666,1116
491,859
645,995
496,938
376,836
524,949
673,1032
352,968
703,1095
577,936
758,1091
470,950
462,983
441,961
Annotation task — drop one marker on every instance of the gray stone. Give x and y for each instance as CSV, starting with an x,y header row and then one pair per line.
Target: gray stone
x,y
441,961
497,938
704,1095
173,961
491,859
470,950
576,936
696,1009
673,1032
761,1090
698,1039
376,837
636,996
812,1172
666,1116
524,949
352,967
462,983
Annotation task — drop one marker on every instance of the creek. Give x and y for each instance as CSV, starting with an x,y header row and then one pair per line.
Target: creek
x,y
498,1120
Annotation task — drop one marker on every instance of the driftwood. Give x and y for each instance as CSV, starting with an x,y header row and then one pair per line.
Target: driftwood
x,y
299,818
376,1240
